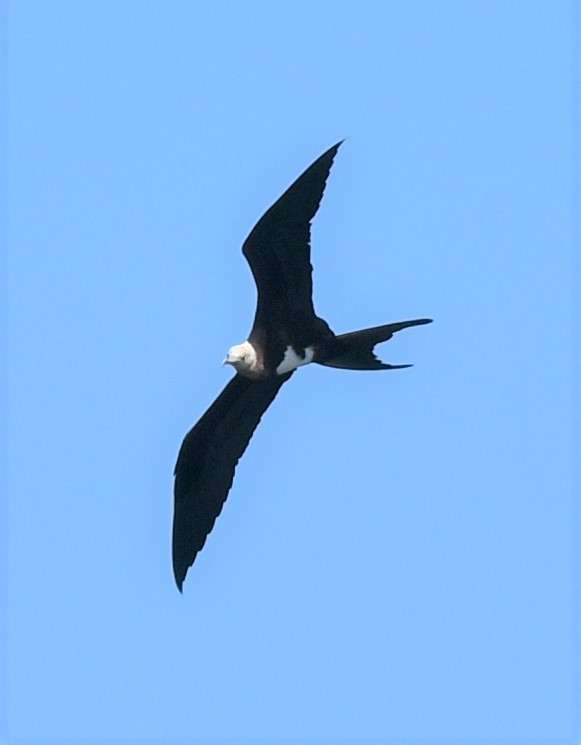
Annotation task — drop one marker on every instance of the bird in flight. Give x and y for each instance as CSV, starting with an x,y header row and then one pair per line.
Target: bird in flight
x,y
285,335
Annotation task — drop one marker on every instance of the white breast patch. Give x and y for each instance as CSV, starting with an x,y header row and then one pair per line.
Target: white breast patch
x,y
292,360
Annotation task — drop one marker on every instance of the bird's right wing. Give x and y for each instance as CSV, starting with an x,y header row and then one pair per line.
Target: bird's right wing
x,y
208,456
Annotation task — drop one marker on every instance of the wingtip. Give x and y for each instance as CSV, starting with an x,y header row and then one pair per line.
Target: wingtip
x,y
422,321
336,147
179,580
332,151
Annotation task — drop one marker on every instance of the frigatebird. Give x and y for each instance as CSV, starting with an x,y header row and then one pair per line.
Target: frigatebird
x,y
285,335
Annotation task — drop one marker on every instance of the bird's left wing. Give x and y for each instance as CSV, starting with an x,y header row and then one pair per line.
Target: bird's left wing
x,y
278,248
208,456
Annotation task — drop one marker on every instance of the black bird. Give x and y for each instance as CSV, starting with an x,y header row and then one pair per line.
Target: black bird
x,y
285,335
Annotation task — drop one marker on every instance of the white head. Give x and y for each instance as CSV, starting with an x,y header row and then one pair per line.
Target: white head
x,y
243,358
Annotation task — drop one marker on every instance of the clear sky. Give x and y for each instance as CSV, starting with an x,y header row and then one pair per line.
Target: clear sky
x,y
397,558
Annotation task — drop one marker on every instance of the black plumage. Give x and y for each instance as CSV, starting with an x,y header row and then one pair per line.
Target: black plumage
x,y
286,333
208,456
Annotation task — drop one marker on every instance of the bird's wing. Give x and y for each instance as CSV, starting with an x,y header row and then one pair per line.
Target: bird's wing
x,y
279,252
208,456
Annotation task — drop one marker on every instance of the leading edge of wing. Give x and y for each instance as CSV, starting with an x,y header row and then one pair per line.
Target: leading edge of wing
x,y
278,247
207,459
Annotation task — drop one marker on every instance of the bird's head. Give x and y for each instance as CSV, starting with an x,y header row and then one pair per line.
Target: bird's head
x,y
243,358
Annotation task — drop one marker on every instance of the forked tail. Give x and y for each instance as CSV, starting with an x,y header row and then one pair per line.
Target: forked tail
x,y
354,351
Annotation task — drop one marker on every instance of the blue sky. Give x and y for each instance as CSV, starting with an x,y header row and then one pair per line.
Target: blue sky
x,y
398,557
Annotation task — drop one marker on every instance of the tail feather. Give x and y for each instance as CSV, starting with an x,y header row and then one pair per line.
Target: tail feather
x,y
354,351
